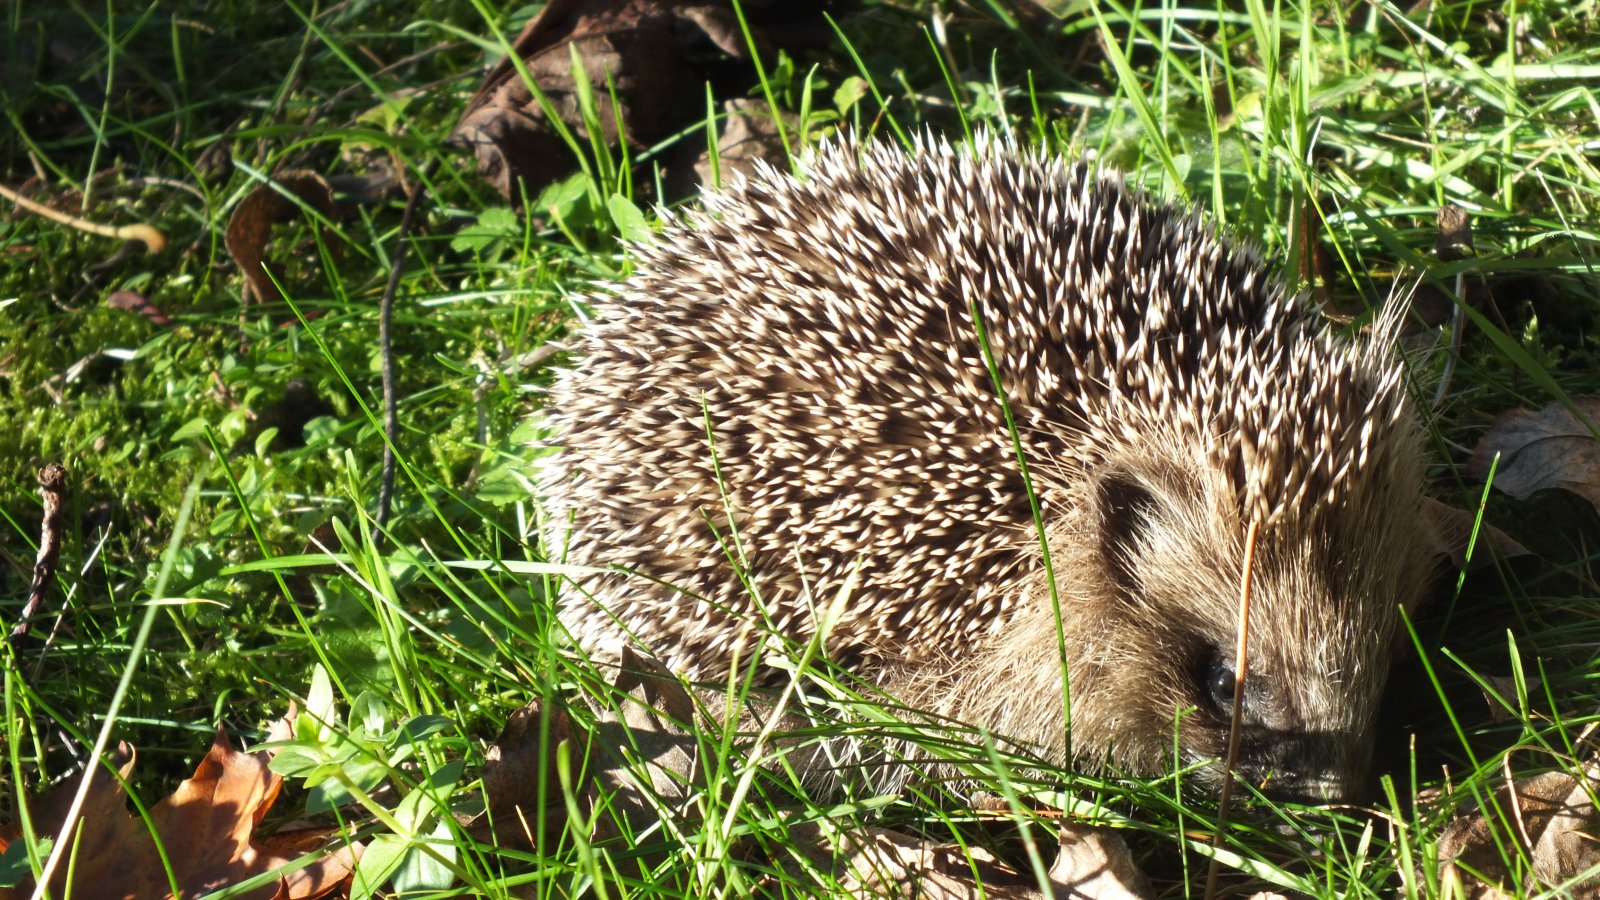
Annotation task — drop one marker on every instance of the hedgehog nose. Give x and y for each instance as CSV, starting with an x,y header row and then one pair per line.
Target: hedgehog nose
x,y
1307,789
1305,768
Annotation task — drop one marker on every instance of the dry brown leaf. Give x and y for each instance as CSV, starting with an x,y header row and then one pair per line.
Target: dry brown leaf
x,y
1506,687
250,226
1095,862
746,133
879,863
640,758
515,768
138,304
1455,233
1452,532
654,56
206,828
1552,448
646,760
1555,823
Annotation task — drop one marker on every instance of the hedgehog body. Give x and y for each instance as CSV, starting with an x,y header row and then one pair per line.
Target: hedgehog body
x,y
790,403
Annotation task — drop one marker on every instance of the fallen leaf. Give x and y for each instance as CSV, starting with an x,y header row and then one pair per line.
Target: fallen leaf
x,y
519,770
880,863
136,303
1455,234
1452,534
206,829
647,761
1552,839
289,415
1506,687
652,56
746,134
641,760
1552,448
250,226
1095,862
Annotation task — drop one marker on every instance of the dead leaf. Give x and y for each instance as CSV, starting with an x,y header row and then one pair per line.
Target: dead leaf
x,y
250,226
1554,821
1506,687
1552,448
516,767
653,56
641,759
746,134
1095,862
136,303
289,414
1452,534
1455,234
206,828
648,763
879,863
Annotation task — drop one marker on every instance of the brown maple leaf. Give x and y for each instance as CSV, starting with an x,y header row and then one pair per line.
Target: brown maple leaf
x,y
206,829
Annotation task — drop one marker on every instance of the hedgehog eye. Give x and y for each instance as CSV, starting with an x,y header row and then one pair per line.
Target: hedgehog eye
x,y
1219,681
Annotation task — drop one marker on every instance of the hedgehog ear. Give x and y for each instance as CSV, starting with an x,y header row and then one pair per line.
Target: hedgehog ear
x,y
1126,513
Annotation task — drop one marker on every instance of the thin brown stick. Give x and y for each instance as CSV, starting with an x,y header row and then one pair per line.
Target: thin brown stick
x,y
391,403
152,237
1241,666
53,487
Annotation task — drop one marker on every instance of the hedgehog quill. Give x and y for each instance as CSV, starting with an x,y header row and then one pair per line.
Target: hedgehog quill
x,y
799,365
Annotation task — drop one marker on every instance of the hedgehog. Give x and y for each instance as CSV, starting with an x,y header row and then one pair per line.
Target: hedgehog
x,y
982,422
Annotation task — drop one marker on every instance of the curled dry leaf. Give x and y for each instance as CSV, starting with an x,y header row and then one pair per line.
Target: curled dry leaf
x,y
206,829
1552,448
1454,241
250,226
747,133
653,56
641,759
289,414
1551,842
1095,862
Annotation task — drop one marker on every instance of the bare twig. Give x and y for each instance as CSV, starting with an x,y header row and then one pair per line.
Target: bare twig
x,y
391,411
53,486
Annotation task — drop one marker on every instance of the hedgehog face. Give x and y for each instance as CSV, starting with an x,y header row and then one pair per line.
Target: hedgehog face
x,y
1161,650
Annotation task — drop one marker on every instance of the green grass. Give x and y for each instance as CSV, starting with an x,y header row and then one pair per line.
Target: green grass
x,y
1326,134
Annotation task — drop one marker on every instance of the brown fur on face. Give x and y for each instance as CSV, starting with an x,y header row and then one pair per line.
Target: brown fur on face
x,y
1148,565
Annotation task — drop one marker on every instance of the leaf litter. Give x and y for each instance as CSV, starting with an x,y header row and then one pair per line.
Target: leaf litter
x,y
206,832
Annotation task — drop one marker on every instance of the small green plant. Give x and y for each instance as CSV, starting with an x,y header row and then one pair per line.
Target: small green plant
x,y
342,764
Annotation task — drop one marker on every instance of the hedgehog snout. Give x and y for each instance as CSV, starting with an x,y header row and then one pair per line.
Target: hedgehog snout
x,y
1283,758
1302,766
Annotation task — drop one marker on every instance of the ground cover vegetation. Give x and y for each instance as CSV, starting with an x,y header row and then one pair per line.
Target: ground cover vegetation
x,y
224,549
